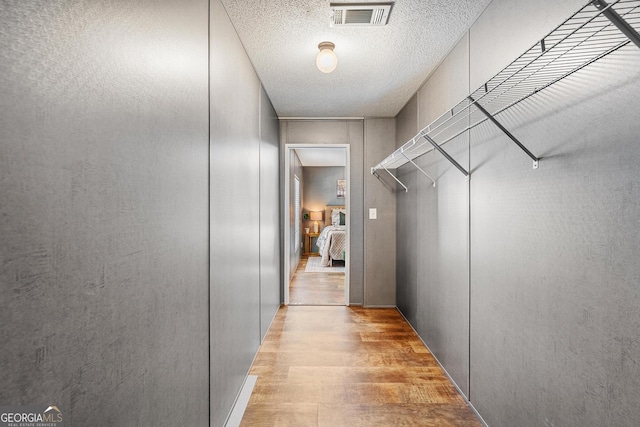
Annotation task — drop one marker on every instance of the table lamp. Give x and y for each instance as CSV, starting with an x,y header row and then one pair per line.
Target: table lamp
x,y
315,216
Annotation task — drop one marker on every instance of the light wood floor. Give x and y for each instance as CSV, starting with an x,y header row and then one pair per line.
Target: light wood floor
x,y
349,366
316,288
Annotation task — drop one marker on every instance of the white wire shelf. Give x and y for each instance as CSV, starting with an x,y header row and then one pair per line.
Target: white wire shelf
x,y
593,32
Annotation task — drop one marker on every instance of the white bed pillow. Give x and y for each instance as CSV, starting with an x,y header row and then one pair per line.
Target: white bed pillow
x,y
335,216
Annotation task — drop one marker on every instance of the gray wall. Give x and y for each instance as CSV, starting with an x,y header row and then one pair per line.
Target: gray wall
x,y
270,249
552,274
380,233
407,219
339,132
433,231
407,121
244,209
103,210
105,172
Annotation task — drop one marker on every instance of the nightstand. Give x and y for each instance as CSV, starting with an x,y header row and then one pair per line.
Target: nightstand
x,y
307,243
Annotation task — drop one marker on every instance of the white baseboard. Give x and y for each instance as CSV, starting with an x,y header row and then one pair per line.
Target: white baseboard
x,y
235,417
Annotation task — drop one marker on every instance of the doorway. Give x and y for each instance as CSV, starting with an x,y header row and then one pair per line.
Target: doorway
x,y
327,187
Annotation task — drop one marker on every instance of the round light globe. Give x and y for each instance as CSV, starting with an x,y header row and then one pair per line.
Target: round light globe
x,y
326,61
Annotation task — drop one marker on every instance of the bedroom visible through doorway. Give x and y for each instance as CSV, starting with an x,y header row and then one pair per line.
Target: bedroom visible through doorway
x,y
316,226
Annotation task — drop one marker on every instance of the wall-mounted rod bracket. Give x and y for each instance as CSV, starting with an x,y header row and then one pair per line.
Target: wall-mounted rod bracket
x,y
373,172
618,21
419,168
397,180
506,132
444,153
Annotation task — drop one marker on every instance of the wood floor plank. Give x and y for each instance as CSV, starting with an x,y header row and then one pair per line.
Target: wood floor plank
x,y
357,393
281,415
396,415
316,288
349,366
407,336
369,374
337,346
302,335
326,358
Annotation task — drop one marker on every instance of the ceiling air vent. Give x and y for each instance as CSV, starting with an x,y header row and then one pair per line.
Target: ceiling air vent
x,y
359,14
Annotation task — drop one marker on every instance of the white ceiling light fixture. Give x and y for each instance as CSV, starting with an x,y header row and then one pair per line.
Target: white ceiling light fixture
x,y
326,61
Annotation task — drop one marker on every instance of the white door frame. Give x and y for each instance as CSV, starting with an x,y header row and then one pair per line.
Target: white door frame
x,y
287,195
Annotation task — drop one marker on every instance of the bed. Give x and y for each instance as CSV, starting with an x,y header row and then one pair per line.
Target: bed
x,y
332,242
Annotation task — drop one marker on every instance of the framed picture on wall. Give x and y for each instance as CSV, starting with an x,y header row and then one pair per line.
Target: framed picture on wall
x,y
342,188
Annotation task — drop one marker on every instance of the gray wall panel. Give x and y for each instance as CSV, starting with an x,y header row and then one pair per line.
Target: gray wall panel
x,y
442,262
380,233
446,243
507,28
554,250
437,273
235,226
407,121
103,212
355,134
407,219
406,245
447,86
270,274
555,273
432,276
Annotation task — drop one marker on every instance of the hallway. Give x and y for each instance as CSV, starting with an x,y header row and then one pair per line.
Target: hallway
x,y
349,366
491,191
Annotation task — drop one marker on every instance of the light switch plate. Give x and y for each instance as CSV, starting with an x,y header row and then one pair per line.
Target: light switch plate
x,y
373,213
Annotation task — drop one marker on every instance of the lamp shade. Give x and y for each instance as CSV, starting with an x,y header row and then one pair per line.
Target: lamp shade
x,y
315,216
326,61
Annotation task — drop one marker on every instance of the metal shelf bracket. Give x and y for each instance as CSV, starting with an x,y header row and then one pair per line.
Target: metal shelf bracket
x,y
373,172
419,168
506,132
444,153
618,21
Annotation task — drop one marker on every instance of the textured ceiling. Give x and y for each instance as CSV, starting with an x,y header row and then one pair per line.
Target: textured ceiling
x,y
379,68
